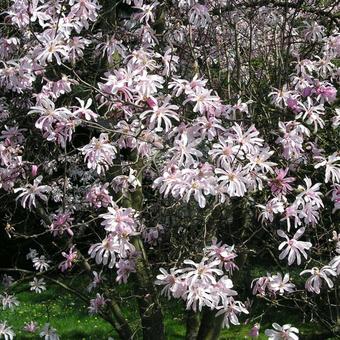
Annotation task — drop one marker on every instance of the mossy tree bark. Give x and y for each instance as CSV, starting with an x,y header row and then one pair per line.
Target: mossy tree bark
x,y
149,307
193,324
210,327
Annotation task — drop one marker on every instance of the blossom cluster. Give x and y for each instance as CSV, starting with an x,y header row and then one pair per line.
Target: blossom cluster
x,y
205,283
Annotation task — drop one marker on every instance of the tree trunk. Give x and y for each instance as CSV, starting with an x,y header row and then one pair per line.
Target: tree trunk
x,y
211,325
149,307
193,323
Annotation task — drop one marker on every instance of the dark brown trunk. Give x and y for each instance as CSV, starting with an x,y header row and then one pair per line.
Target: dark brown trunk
x,y
193,324
211,325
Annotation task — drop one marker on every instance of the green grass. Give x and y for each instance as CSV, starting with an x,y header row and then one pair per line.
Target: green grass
x,y
68,316
72,321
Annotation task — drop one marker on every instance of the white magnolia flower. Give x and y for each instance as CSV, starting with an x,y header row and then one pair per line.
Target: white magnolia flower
x,y
38,285
30,192
6,331
49,333
9,301
285,332
314,282
294,247
332,168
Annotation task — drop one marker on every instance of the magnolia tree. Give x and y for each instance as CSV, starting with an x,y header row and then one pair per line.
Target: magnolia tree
x,y
168,147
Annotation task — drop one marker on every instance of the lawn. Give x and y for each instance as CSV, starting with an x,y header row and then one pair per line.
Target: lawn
x,y
70,317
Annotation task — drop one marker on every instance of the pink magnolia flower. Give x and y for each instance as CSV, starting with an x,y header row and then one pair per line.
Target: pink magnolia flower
x,y
292,211
146,12
168,280
258,160
222,291
255,331
292,139
324,66
84,10
170,62
279,97
76,46
84,111
97,304
12,135
208,127
194,182
126,183
97,280
293,104
313,31
147,84
30,192
39,13
294,248
199,15
31,327
231,309
61,222
70,257
326,93
239,107
124,269
224,253
111,46
153,235
285,332
273,206
98,196
57,125
34,170
259,285
54,89
281,184
99,153
310,214
119,221
53,47
314,282
48,113
281,285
